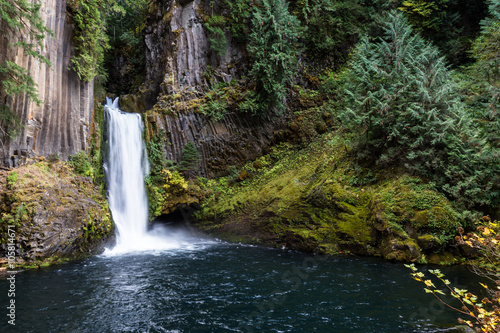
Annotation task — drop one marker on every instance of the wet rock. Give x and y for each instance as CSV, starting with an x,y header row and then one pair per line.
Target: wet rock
x,y
235,140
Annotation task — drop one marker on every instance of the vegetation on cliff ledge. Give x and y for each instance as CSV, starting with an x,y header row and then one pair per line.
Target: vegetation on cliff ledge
x,y
56,214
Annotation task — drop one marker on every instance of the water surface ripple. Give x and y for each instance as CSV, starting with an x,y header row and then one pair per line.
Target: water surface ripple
x,y
211,286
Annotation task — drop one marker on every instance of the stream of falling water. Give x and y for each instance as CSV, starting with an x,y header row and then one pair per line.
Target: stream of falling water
x,y
125,166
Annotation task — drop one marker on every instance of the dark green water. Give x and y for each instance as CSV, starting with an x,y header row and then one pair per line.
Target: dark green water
x,y
216,287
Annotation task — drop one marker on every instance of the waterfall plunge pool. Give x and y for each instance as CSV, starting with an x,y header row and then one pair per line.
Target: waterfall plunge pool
x,y
209,286
170,280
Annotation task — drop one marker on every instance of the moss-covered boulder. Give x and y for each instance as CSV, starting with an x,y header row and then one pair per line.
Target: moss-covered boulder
x,y
316,199
56,214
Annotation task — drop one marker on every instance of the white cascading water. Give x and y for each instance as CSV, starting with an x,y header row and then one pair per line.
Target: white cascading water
x,y
125,167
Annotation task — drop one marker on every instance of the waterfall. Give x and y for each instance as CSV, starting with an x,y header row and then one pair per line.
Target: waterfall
x,y
125,166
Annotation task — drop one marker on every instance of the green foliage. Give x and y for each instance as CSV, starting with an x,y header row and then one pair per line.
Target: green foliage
x,y
159,175
165,186
333,27
190,159
163,191
81,164
400,94
274,45
89,38
486,48
12,179
216,103
481,84
215,26
19,18
125,22
239,18
424,14
95,150
450,24
156,156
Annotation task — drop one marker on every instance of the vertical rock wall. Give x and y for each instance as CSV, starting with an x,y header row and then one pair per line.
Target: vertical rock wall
x,y
178,50
60,124
177,58
234,140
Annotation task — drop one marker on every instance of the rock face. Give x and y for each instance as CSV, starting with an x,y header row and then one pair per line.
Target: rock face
x,y
60,124
55,214
178,52
232,141
179,66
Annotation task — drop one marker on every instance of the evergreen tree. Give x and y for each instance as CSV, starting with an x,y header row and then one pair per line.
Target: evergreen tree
x,y
89,38
22,26
400,94
273,44
190,159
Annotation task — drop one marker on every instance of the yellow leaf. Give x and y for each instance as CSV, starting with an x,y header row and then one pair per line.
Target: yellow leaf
x,y
429,283
487,231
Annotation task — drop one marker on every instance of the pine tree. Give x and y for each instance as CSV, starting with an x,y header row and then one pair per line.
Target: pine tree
x,y
401,96
190,159
22,26
274,46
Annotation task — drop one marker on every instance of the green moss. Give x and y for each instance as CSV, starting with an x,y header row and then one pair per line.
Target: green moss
x,y
317,199
40,201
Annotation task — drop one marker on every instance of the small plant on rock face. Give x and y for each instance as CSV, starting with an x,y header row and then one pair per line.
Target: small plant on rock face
x,y
81,165
190,159
53,158
12,179
215,26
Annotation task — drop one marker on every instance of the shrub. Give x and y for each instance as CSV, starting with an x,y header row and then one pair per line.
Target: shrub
x,y
81,164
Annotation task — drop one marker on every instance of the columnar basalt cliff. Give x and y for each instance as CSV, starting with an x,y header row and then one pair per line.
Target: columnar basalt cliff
x,y
179,64
60,124
178,51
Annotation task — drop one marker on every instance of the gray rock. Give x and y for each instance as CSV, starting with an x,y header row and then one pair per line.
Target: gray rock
x,y
60,124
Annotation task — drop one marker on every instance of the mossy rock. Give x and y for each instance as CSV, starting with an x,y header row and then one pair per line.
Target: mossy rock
x,y
57,215
429,242
316,199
